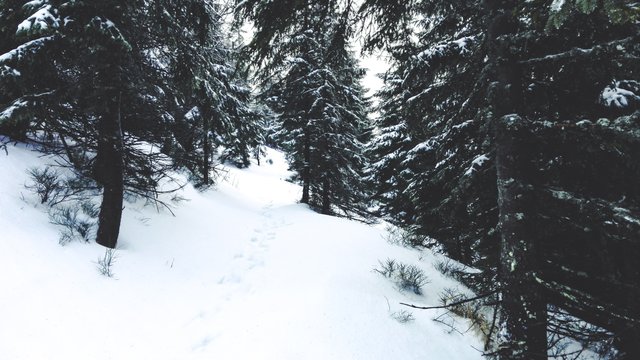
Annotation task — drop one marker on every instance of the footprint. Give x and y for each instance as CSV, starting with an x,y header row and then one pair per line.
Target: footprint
x,y
203,343
256,264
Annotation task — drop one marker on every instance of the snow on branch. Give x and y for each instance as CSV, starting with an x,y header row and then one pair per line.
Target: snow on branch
x,y
9,111
459,47
476,164
42,20
24,49
578,52
615,96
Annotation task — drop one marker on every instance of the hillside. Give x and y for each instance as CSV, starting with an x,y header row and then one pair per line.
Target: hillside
x,y
242,271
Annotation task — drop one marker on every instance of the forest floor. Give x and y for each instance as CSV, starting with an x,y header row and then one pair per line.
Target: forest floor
x,y
242,271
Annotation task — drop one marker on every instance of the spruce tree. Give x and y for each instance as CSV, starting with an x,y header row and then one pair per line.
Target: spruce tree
x,y
98,82
544,72
211,105
82,93
320,106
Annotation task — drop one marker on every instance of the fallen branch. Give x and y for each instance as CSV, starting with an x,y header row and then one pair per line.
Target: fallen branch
x,y
464,301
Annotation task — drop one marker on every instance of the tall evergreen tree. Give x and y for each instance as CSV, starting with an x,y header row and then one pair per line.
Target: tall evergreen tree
x,y
319,102
549,65
212,106
94,80
88,32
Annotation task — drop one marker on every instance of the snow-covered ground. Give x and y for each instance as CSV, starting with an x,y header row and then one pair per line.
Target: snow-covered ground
x,y
241,272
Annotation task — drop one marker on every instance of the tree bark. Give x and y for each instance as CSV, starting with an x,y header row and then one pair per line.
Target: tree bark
x,y
326,201
524,312
306,173
523,333
110,173
206,146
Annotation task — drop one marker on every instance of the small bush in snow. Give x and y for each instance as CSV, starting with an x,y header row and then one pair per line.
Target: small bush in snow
x,y
105,264
46,184
411,278
403,316
453,270
407,276
387,268
473,311
90,209
76,222
457,271
53,189
407,238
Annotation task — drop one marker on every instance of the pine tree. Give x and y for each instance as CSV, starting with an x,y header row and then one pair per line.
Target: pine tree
x,y
214,105
429,107
550,65
314,90
81,94
113,76
28,35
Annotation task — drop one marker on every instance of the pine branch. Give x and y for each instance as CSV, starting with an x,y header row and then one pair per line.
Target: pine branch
x,y
577,52
447,306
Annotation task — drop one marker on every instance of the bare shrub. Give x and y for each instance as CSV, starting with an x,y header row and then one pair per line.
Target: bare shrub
x,y
53,189
411,277
406,276
45,183
474,311
387,268
407,238
403,316
105,263
74,222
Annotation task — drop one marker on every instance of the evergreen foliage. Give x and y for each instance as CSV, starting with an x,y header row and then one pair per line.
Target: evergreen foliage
x,y
314,88
98,82
508,132
560,66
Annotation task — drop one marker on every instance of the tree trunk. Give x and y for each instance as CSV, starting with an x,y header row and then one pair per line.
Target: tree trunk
x,y
326,201
626,340
306,173
110,173
524,312
524,321
206,147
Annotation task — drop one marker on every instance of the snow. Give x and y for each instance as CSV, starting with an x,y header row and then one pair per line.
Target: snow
x,y
557,5
7,113
458,46
40,20
618,97
462,43
476,164
24,49
626,215
241,272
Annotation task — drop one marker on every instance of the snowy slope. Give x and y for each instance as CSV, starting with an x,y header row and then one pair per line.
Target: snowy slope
x,y
241,272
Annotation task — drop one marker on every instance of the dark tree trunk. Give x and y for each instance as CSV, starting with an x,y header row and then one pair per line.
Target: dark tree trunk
x,y
626,340
110,173
206,147
306,173
524,307
326,201
524,312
